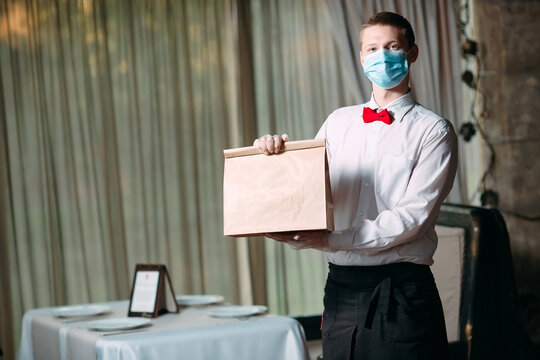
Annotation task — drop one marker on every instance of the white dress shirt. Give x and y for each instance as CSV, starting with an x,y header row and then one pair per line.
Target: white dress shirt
x,y
388,182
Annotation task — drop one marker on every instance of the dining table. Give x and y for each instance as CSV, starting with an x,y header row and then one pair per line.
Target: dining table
x,y
210,331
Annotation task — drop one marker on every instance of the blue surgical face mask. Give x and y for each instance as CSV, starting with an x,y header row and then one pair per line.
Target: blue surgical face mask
x,y
386,68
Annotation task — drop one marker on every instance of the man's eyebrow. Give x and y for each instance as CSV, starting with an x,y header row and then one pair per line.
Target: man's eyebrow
x,y
391,42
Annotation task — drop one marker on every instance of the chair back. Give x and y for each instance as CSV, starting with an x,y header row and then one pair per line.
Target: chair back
x,y
448,272
474,273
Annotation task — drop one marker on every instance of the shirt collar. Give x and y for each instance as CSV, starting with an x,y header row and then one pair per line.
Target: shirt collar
x,y
397,108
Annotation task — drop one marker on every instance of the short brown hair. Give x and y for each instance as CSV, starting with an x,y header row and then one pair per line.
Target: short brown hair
x,y
393,19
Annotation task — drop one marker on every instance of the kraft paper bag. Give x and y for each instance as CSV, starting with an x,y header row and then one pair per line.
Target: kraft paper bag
x,y
284,192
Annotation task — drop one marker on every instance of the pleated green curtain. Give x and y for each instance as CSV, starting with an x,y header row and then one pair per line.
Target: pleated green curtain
x,y
114,115
299,81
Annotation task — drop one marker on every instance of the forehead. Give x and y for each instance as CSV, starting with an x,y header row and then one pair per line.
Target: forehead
x,y
377,34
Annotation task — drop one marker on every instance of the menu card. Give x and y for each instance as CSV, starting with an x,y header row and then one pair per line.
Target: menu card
x,y
151,293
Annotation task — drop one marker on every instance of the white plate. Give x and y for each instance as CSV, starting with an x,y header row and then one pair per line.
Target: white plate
x,y
80,310
237,311
118,324
193,300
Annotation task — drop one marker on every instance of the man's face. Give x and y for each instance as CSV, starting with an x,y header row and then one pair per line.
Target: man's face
x,y
377,37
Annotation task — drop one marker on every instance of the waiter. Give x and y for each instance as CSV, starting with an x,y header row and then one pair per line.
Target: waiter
x,y
392,163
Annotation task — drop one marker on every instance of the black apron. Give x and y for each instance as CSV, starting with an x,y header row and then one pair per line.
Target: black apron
x,y
383,312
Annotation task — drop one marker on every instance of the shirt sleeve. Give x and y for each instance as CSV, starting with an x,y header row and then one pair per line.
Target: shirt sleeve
x,y
430,182
321,134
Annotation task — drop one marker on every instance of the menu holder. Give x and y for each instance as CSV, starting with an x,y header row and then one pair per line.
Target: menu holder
x,y
152,293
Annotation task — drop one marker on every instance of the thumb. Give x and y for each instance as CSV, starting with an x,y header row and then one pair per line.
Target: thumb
x,y
285,137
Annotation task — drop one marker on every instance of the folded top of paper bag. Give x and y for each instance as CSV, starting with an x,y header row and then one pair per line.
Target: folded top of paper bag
x,y
287,146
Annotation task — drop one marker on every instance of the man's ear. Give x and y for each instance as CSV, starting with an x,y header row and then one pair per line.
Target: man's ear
x,y
361,59
413,54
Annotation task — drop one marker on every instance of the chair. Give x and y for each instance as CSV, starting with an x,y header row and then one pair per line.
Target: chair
x,y
312,330
488,316
474,273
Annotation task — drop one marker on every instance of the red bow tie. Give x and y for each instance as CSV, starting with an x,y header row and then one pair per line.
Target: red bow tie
x,y
371,115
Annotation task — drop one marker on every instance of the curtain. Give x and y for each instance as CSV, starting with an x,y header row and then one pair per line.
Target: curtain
x,y
436,75
114,115
299,81
6,320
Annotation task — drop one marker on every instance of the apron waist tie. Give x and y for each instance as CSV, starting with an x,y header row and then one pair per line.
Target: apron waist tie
x,y
381,299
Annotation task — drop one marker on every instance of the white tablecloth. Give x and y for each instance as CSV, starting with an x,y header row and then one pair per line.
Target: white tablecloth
x,y
191,334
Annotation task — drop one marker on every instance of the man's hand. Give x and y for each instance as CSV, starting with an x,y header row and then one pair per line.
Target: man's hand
x,y
317,240
270,144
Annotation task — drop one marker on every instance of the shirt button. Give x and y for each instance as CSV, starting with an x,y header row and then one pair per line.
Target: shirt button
x,y
366,185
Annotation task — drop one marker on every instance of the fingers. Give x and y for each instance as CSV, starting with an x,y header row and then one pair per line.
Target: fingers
x,y
261,144
301,243
277,143
302,240
282,237
311,240
270,144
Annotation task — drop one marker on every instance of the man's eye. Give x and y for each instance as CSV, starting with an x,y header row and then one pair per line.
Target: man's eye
x,y
394,47
371,49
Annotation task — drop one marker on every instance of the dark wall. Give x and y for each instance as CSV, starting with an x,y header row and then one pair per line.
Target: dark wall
x,y
508,33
